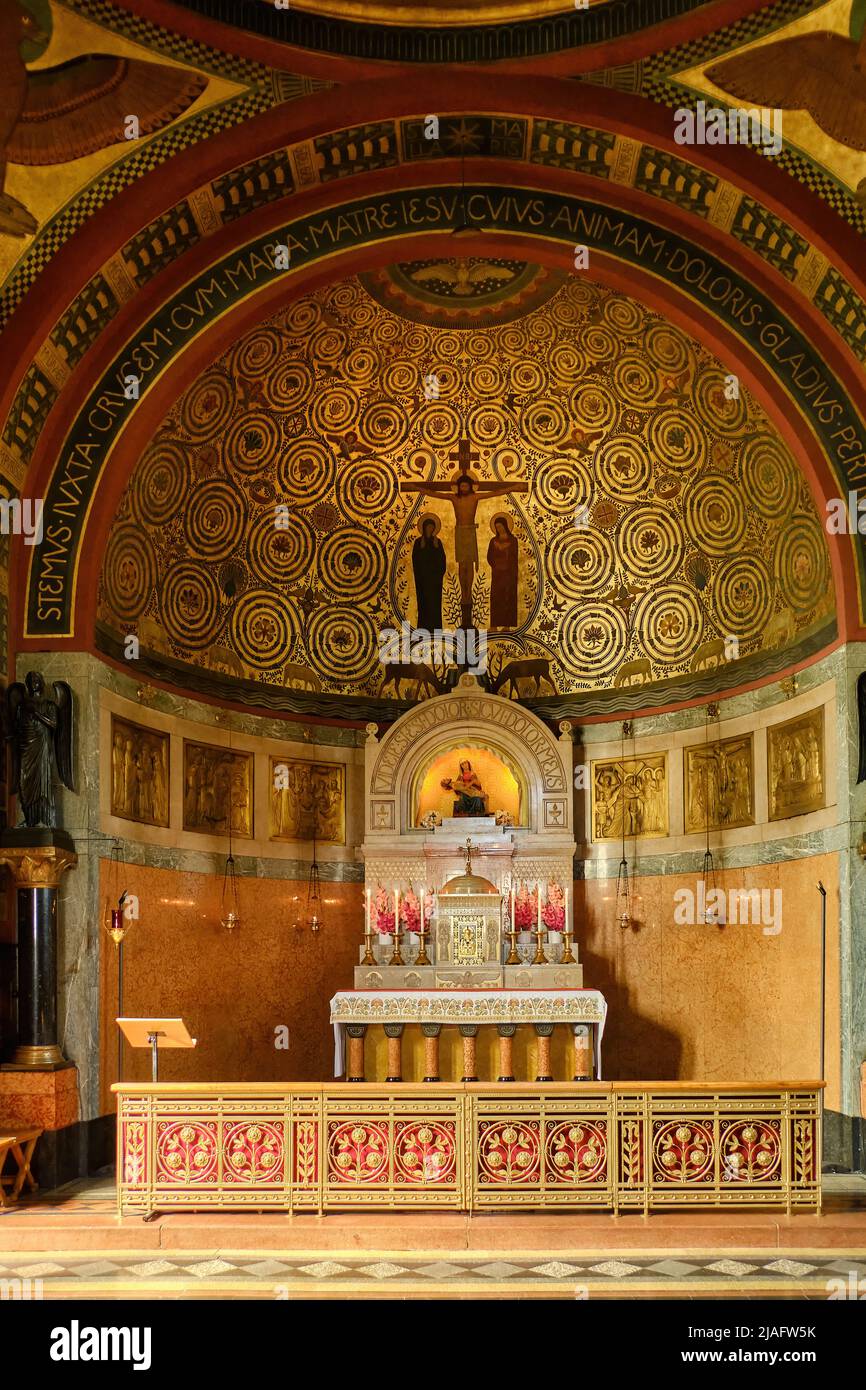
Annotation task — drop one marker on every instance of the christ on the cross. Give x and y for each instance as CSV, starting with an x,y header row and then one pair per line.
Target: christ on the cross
x,y
464,493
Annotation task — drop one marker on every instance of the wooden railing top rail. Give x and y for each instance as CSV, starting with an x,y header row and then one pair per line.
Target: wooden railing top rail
x,y
368,1089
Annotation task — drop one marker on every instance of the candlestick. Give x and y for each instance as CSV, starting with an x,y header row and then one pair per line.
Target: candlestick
x,y
567,955
422,958
513,958
369,958
396,958
540,958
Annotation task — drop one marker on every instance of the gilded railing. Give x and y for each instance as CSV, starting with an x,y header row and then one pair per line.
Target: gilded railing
x,y
610,1146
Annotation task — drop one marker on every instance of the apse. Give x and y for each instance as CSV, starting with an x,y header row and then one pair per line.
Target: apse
x,y
649,524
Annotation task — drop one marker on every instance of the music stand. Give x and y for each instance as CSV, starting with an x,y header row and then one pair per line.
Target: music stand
x,y
155,1033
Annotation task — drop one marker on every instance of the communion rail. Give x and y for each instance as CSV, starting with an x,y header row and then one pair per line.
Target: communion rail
x,y
610,1146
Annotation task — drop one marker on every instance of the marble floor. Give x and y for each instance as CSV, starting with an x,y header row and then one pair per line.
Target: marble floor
x,y
69,1244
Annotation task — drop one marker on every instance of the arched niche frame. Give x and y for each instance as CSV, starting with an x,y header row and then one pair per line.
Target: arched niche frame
x,y
541,761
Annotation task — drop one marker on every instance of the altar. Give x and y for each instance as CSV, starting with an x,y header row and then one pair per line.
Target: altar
x,y
469,925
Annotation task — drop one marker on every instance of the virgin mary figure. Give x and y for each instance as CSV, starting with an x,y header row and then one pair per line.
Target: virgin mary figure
x,y
502,559
471,797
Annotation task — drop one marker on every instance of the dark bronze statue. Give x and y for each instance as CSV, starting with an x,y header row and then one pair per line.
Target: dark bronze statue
x,y
40,733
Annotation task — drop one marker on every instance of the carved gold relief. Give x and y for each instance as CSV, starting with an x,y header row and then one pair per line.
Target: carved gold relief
x,y
630,797
308,801
217,790
719,785
795,765
139,772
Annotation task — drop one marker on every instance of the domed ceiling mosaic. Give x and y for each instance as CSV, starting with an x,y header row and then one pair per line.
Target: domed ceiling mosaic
x,y
637,518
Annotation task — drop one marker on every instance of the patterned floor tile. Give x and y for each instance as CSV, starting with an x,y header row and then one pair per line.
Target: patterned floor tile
x,y
793,1267
323,1269
266,1269
615,1268
440,1270
203,1269
555,1269
94,1269
383,1270
500,1269
674,1269
734,1267
153,1267
37,1271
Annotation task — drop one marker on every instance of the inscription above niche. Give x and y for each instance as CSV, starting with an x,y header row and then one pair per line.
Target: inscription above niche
x,y
140,760
217,790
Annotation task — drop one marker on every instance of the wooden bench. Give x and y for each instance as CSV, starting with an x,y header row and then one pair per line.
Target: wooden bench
x,y
20,1141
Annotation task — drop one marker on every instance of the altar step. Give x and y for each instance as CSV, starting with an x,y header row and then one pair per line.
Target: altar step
x,y
82,1217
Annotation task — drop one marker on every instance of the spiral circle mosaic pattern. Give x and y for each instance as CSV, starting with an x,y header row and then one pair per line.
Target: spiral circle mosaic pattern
x,y
715,516
306,472
563,486
161,484
592,638
580,562
214,520
280,547
658,507
800,564
263,627
256,354
334,410
208,406
342,642
623,468
770,479
130,563
366,489
651,543
671,622
678,441
352,563
252,440
743,595
190,604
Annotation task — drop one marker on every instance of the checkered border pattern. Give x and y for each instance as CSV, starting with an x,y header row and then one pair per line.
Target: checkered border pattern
x,y
659,85
119,176
177,46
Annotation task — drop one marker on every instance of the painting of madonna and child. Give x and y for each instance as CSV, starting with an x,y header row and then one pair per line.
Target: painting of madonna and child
x,y
468,781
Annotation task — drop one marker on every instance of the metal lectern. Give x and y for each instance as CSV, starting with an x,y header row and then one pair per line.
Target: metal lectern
x,y
156,1033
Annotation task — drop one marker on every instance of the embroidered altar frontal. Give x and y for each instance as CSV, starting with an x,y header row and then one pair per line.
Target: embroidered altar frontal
x,y
616,1146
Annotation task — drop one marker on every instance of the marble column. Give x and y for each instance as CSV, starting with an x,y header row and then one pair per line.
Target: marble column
x,y
356,1033
431,1033
582,1052
37,860
394,1034
544,1032
506,1033
469,1033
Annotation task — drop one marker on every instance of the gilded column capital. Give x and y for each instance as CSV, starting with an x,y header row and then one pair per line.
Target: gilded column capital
x,y
37,866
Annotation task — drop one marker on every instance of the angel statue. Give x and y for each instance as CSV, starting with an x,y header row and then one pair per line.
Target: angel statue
x,y
40,732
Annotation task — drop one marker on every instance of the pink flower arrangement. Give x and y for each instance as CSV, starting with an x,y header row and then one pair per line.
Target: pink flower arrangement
x,y
383,913
429,903
553,912
525,909
410,911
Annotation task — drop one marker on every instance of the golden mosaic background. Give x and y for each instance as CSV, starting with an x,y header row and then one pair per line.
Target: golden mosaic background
x,y
696,524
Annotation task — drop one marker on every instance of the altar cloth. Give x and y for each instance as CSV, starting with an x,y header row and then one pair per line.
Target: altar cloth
x,y
456,1006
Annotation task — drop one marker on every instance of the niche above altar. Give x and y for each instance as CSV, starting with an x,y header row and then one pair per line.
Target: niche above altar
x,y
468,765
